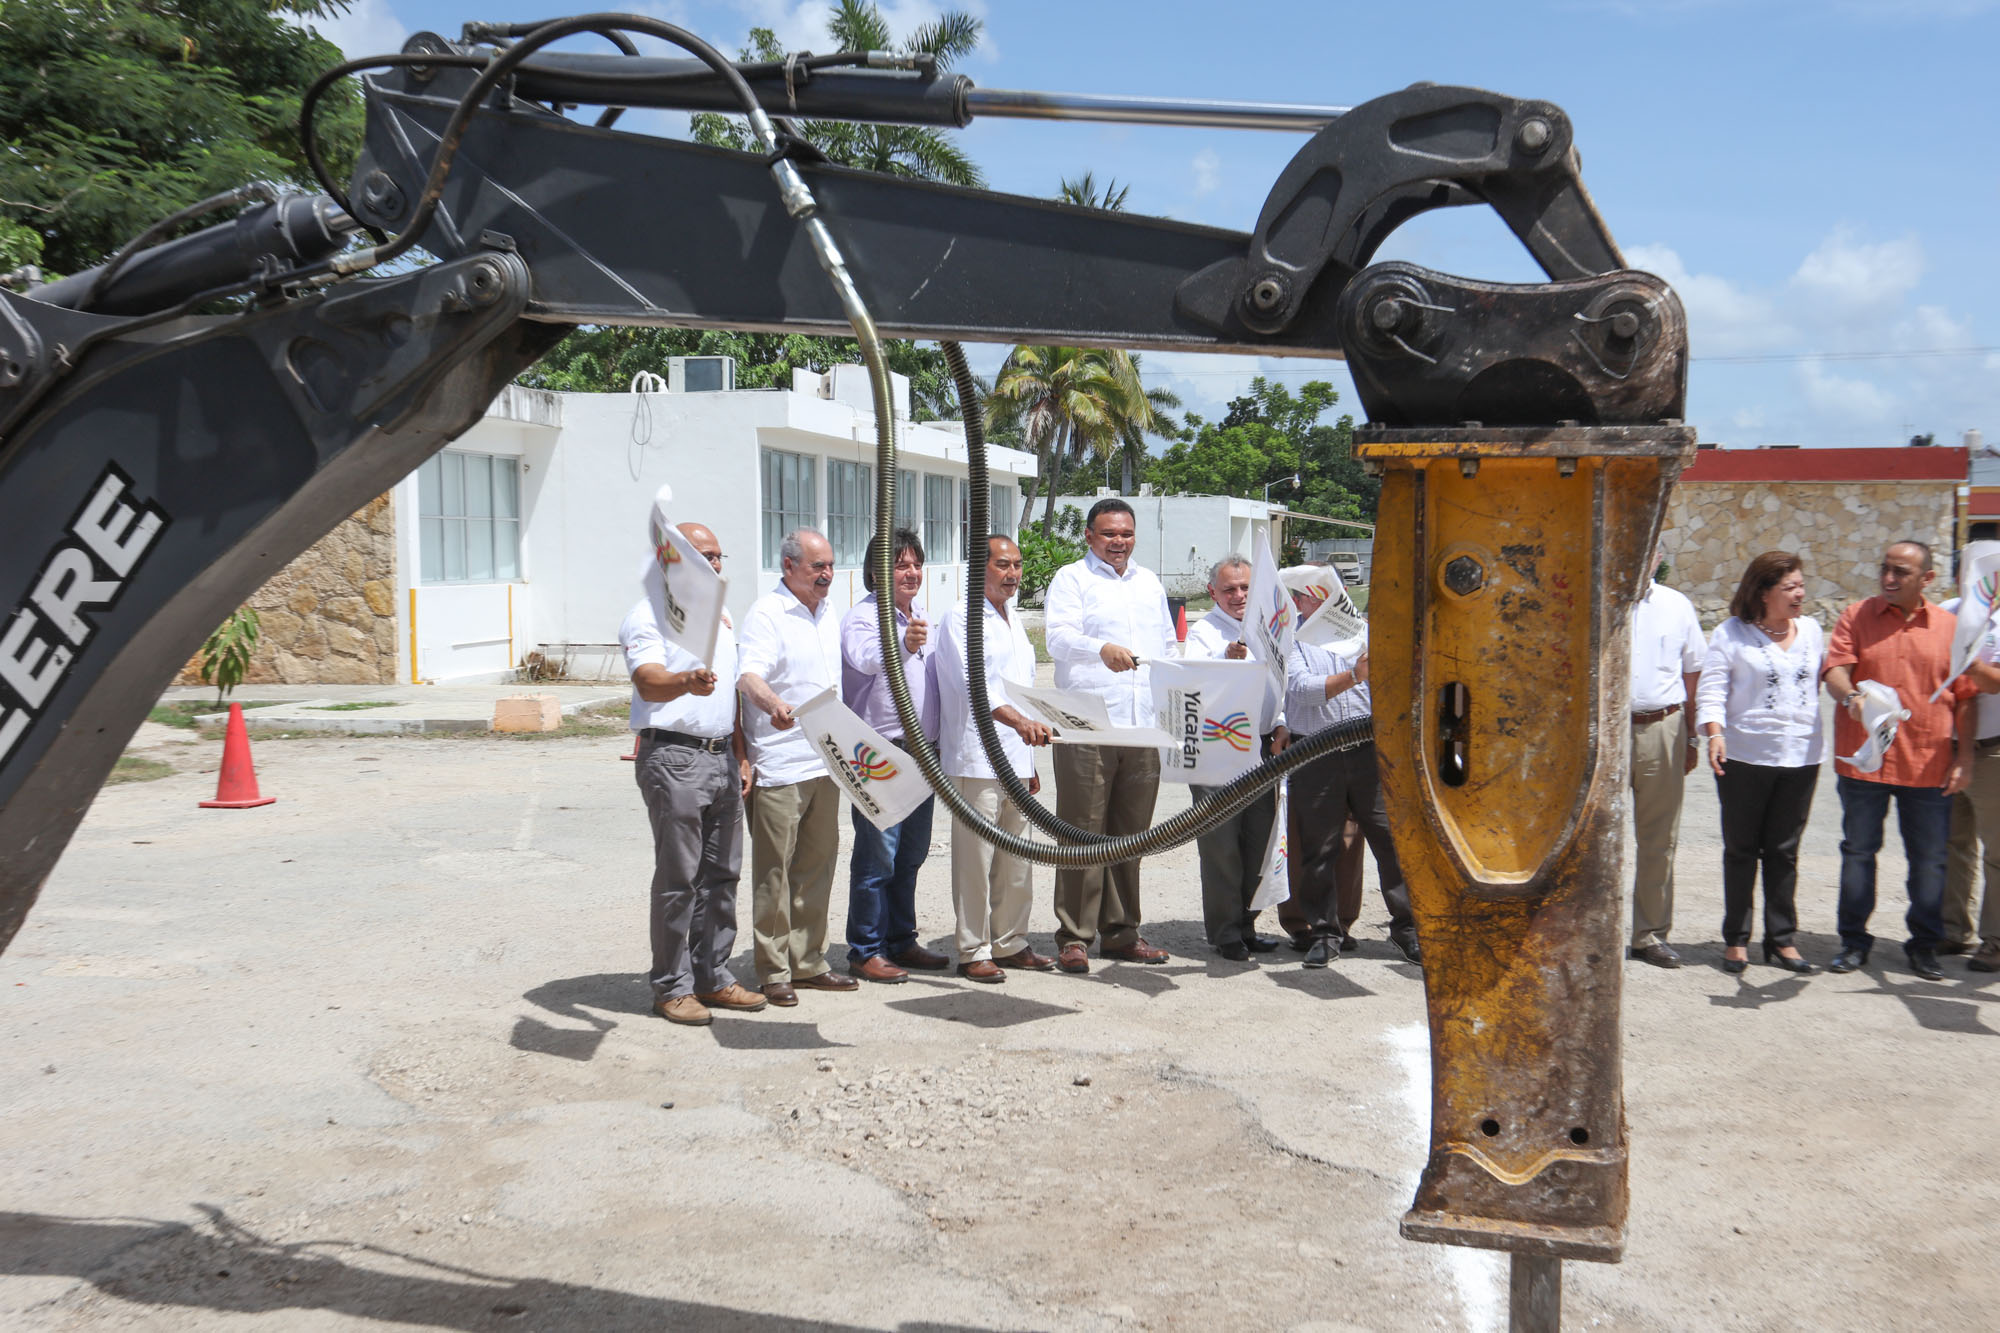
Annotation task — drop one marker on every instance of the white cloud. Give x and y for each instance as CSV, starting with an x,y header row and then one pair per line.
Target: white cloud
x,y
1859,404
1723,318
368,28
1849,275
1207,166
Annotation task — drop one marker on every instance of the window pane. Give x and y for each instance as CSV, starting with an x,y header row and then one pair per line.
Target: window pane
x,y
506,488
430,548
430,486
479,550
454,548
909,498
937,519
478,485
454,484
965,520
790,499
506,549
1002,497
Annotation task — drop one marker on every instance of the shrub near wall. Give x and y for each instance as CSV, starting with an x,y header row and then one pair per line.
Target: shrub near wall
x,y
329,617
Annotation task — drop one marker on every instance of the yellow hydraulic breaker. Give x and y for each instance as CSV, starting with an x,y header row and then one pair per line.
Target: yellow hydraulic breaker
x,y
1506,565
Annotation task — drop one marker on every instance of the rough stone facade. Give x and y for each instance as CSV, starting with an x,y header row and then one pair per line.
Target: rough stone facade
x,y
1714,529
329,617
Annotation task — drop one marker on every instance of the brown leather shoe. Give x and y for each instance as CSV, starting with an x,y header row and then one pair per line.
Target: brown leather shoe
x,y
826,981
877,968
780,993
922,959
1073,958
983,970
1138,951
735,997
1029,959
685,1010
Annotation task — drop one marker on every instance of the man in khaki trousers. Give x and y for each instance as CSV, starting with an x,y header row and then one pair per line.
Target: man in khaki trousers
x,y
1667,649
788,652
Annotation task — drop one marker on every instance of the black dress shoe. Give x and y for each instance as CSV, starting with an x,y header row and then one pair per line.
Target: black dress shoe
x,y
1735,967
1320,953
1776,959
1264,943
1924,962
1407,946
1659,955
1299,943
1848,960
1236,951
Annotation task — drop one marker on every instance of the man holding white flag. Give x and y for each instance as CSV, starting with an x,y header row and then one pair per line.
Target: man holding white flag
x,y
1233,853
1328,684
692,773
1903,642
1106,618
790,654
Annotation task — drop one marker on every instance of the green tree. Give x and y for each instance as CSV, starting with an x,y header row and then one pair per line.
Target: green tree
x,y
1083,190
1271,435
603,360
116,113
1071,403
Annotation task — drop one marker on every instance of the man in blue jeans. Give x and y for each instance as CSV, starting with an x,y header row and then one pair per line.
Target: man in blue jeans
x,y
1903,641
882,869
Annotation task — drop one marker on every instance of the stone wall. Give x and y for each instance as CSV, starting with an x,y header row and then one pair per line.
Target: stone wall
x,y
329,617
1840,529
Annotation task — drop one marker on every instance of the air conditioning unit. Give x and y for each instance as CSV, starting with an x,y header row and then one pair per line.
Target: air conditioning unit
x,y
701,374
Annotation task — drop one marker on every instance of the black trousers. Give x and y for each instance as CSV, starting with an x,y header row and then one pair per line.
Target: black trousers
x,y
1764,813
1327,793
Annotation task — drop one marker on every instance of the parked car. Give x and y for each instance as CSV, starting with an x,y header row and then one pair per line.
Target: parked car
x,y
1348,566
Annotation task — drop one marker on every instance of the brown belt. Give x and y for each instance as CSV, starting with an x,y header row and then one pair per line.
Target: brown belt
x,y
1654,715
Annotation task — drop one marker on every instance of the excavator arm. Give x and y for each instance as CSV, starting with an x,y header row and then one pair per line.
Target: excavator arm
x,y
158,462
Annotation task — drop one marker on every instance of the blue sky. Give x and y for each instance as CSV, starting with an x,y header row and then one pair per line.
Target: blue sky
x,y
1819,180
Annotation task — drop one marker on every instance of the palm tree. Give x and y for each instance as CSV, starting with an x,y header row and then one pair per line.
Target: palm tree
x,y
1083,190
1073,403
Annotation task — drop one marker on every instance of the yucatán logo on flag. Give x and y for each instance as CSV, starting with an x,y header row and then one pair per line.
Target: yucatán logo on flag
x,y
880,780
1207,708
1234,731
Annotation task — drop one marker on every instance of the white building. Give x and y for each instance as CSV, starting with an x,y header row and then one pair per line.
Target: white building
x,y
1180,537
529,532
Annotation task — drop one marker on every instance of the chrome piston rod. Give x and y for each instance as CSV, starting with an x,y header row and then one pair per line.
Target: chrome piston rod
x,y
1020,105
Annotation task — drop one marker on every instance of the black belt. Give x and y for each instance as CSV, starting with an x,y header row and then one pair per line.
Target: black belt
x,y
712,744
1988,740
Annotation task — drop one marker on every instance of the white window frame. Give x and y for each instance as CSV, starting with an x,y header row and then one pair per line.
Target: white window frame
x,y
463,536
938,518
800,509
850,510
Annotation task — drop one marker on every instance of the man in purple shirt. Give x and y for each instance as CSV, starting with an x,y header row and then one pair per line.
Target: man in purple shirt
x,y
882,869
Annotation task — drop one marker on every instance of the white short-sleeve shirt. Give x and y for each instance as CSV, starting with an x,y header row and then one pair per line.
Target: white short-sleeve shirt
x,y
797,653
711,716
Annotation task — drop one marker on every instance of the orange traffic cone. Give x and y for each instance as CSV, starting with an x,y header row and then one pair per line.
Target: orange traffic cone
x,y
1180,623
236,788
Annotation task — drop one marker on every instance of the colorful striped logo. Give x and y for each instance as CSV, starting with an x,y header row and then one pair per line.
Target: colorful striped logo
x,y
1233,731
869,765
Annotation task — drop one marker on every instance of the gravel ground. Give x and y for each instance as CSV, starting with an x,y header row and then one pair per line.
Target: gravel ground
x,y
379,1053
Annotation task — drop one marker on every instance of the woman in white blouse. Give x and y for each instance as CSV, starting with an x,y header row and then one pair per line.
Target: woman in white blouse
x,y
1758,704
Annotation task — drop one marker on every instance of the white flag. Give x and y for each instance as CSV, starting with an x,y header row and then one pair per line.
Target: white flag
x,y
1082,719
1277,882
1269,618
1338,624
881,781
685,591
1210,710
1881,713
1978,607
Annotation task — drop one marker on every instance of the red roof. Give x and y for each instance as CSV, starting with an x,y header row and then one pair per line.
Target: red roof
x,y
1897,463
1983,504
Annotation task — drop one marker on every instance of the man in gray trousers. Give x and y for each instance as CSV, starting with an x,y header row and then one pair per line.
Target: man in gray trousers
x,y
693,774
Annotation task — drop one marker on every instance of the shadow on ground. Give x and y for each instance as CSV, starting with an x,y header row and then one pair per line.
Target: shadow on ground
x,y
229,1269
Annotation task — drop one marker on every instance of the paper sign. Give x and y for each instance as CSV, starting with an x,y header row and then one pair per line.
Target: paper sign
x,y
1338,624
684,590
1881,713
1276,885
1082,719
1978,607
1211,710
1269,618
881,781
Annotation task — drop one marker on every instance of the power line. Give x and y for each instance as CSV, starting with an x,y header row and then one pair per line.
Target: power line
x,y
1747,358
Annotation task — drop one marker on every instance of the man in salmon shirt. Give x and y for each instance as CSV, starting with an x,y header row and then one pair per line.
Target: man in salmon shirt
x,y
1903,641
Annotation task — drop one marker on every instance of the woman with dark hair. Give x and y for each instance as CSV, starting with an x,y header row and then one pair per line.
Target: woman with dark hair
x,y
1758,705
